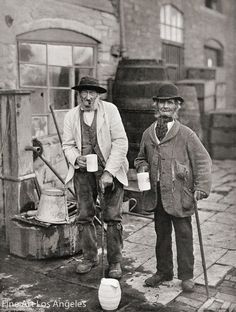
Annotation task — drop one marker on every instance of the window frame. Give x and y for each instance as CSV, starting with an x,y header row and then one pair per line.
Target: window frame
x,y
164,24
72,68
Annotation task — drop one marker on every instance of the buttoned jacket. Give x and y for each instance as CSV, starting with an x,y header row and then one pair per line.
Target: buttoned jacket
x,y
182,165
111,138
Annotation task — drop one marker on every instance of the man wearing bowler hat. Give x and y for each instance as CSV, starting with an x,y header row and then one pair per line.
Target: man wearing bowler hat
x,y
95,127
180,174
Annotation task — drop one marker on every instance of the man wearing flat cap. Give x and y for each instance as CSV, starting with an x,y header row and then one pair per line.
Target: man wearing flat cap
x,y
95,127
180,174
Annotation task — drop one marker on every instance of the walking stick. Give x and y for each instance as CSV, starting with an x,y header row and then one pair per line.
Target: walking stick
x,y
201,247
101,196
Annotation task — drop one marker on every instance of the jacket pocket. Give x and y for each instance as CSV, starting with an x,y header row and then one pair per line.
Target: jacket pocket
x,y
180,171
187,198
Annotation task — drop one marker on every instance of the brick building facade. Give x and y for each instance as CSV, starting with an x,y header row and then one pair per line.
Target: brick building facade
x,y
100,21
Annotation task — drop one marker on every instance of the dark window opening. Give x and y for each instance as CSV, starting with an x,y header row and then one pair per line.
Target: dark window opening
x,y
214,5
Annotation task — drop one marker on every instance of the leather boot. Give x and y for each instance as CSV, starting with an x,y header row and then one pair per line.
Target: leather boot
x,y
188,285
115,271
85,265
157,278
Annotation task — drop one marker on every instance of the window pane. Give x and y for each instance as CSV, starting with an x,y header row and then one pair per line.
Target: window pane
x,y
179,20
59,55
82,72
32,53
33,75
59,76
168,34
168,14
83,56
162,15
60,99
173,18
173,34
162,31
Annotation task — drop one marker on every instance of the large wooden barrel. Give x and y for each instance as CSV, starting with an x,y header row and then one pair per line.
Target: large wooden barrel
x,y
135,84
189,113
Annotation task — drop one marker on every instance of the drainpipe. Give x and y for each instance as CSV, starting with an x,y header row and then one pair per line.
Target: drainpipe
x,y
123,48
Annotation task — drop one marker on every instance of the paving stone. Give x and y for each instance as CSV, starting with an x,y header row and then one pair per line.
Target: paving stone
x,y
206,305
230,198
137,254
145,236
215,197
224,218
215,275
211,256
216,235
203,216
228,178
212,206
190,302
231,209
132,224
225,164
223,188
226,283
229,258
227,290
226,297
150,265
179,307
225,306
162,294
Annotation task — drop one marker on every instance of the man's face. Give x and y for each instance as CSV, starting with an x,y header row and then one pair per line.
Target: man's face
x,y
167,108
88,98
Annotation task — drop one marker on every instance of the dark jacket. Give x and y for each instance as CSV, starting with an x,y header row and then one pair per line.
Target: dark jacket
x,y
184,166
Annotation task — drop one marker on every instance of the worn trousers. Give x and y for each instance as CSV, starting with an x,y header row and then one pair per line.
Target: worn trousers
x,y
184,242
87,187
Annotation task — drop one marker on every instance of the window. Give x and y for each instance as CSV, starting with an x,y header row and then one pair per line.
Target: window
x,y
213,54
171,24
214,5
172,27
51,67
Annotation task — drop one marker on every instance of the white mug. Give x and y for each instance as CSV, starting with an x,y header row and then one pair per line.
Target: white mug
x,y
92,162
143,181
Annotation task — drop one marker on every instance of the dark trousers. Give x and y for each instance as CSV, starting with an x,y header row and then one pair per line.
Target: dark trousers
x,y
184,242
87,187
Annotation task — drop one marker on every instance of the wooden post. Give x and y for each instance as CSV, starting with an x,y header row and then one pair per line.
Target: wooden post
x,y
16,164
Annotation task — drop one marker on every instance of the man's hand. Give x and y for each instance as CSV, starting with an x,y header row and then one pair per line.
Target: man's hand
x,y
81,161
198,195
105,181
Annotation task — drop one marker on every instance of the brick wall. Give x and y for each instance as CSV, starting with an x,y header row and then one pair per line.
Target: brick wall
x,y
18,17
200,24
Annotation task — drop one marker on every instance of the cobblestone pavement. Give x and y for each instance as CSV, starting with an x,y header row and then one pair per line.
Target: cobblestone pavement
x,y
52,285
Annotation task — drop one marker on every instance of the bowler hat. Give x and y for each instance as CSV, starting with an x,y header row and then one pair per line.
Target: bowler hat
x,y
167,91
89,83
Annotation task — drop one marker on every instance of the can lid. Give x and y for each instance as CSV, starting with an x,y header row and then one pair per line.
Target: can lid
x,y
54,192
